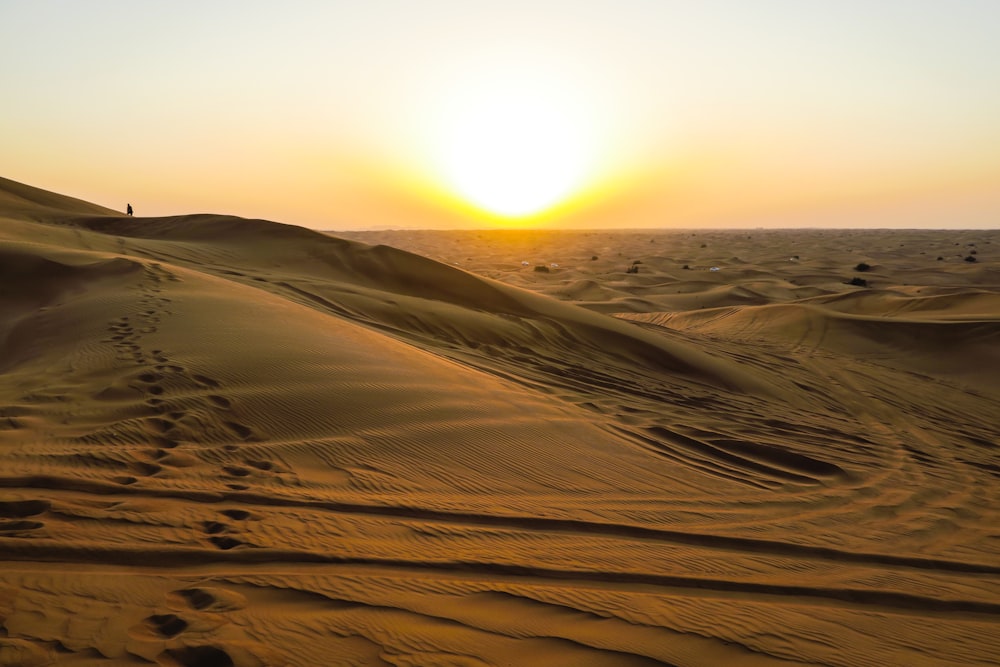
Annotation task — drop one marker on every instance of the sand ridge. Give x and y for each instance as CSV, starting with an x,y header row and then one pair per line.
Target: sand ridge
x,y
236,442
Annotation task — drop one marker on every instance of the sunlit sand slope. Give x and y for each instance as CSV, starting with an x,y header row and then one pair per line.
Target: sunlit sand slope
x,y
234,442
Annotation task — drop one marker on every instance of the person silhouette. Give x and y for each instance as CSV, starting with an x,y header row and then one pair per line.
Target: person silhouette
x,y
128,208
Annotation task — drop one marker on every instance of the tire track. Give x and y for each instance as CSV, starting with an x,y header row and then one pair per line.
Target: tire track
x,y
897,602
527,523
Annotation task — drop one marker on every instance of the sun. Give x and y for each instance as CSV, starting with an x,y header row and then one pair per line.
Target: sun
x,y
514,151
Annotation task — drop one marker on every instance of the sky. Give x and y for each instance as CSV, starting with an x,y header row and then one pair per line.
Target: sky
x,y
546,113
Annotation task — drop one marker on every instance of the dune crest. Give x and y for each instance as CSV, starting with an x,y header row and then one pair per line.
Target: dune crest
x,y
236,442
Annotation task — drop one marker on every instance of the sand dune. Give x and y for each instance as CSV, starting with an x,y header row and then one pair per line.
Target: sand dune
x,y
235,442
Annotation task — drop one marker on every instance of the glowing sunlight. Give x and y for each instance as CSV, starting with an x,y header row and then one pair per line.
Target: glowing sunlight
x,y
514,152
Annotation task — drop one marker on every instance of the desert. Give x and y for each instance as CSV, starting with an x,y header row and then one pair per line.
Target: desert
x,y
228,441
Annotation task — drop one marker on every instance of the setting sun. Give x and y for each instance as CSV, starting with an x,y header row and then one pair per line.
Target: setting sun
x,y
500,332
514,151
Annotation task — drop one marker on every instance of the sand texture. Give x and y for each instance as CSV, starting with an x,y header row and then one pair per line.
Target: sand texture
x,y
236,442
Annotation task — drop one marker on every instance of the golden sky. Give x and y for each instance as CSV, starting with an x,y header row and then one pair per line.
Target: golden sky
x,y
466,113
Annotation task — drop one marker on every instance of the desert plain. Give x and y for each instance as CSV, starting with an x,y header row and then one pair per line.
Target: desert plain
x,y
236,442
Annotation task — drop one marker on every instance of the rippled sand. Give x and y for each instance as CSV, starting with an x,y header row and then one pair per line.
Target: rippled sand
x,y
234,442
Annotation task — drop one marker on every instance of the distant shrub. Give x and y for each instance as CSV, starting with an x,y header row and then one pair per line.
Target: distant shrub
x,y
862,267
541,268
593,258
704,245
858,282
632,269
940,259
970,258
638,261
686,267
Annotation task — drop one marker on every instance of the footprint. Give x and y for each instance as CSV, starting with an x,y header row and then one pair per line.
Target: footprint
x,y
237,515
124,479
19,526
204,380
219,401
167,625
236,471
146,469
213,527
163,443
261,465
199,656
225,543
159,425
206,599
242,431
20,509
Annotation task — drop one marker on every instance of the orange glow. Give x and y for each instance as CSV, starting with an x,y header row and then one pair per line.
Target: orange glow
x,y
515,148
631,114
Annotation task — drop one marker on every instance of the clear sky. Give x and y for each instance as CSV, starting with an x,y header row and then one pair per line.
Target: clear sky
x,y
474,113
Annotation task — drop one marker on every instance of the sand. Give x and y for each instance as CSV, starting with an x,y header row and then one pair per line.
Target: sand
x,y
236,442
